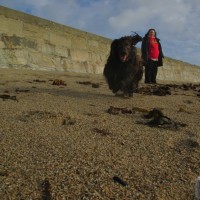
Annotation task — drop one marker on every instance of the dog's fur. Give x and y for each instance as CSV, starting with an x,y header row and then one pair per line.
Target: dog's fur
x,y
123,69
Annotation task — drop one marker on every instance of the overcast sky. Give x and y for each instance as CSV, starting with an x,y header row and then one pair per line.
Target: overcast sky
x,y
177,22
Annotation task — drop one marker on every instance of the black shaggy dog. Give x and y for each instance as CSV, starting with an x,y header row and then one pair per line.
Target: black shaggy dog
x,y
123,69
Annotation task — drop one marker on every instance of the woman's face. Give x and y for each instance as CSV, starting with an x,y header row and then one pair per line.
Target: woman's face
x,y
152,33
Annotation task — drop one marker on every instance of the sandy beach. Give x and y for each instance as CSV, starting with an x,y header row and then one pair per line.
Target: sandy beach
x,y
76,140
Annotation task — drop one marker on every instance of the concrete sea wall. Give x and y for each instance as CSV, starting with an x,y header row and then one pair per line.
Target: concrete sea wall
x,y
31,42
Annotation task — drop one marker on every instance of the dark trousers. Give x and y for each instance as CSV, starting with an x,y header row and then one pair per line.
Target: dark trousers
x,y
151,70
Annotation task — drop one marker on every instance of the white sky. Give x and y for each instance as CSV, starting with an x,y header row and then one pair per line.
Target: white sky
x,y
177,22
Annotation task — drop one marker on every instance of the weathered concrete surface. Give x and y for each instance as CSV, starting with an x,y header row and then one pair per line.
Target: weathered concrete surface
x,y
30,42
174,70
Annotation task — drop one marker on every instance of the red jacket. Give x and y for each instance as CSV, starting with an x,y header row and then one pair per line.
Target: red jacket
x,y
145,51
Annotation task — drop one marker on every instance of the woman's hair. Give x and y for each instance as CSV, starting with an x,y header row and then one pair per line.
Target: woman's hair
x,y
151,29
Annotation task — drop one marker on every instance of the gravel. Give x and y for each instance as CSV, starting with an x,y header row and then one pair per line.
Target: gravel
x,y
60,141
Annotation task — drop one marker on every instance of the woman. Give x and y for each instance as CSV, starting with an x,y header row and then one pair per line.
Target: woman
x,y
152,55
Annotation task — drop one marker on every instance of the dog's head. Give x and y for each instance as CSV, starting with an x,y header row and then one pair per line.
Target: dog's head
x,y
123,48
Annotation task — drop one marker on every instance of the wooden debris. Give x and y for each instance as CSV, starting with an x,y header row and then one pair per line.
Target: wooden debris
x,y
46,190
6,96
115,110
157,119
120,181
39,81
58,82
94,85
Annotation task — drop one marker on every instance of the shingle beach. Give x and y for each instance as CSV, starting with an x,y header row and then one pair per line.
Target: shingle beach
x,y
75,140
